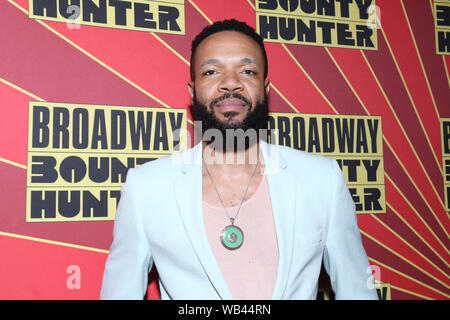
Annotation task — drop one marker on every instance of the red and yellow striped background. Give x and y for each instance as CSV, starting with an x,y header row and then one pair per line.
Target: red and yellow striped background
x,y
404,81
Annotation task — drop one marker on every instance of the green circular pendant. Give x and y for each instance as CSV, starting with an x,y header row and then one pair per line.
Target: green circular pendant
x,y
232,237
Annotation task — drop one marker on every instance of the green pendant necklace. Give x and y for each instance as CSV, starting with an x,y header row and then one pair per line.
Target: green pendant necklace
x,y
231,236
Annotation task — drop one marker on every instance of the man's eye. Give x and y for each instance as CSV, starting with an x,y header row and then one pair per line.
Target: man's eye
x,y
250,72
209,72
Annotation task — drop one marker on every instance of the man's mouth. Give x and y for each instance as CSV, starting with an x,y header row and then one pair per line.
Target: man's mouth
x,y
231,103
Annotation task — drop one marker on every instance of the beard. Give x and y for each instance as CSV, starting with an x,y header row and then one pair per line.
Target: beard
x,y
237,134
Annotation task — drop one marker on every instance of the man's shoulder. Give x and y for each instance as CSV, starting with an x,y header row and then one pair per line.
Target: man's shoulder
x,y
316,169
303,159
165,164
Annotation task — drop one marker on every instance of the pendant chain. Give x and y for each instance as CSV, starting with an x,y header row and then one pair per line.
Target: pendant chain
x,y
220,198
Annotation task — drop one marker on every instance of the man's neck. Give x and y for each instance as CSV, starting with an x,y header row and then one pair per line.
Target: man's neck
x,y
229,161
235,174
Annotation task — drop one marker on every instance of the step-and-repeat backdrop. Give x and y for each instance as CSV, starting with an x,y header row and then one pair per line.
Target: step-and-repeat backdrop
x,y
91,88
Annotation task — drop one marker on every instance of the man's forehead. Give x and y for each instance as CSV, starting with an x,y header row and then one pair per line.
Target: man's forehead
x,y
246,60
230,36
224,42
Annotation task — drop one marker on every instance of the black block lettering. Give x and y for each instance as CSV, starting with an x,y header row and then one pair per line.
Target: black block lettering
x,y
98,173
94,13
328,135
120,11
283,130
288,5
160,132
119,170
69,208
41,132
308,6
99,130
371,199
326,30
143,18
443,41
64,8
326,7
352,169
344,36
305,33
443,16
363,34
46,205
446,136
80,139
268,27
313,136
168,18
298,133
287,28
345,13
268,4
72,169
44,166
93,207
140,129
49,6
118,127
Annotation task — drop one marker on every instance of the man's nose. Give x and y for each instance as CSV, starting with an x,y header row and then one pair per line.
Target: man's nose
x,y
231,83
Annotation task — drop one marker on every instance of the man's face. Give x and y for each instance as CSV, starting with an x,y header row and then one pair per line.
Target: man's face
x,y
229,77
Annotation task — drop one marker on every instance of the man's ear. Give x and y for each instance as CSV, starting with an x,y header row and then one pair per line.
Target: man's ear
x,y
191,89
267,85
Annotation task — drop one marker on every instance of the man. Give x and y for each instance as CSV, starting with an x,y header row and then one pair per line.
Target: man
x,y
235,218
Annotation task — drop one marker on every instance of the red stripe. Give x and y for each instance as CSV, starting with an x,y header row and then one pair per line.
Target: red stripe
x,y
395,279
195,22
403,183
293,83
399,204
136,55
95,234
219,10
393,221
422,24
64,74
391,83
325,74
13,118
44,273
398,34
359,75
447,66
386,237
387,276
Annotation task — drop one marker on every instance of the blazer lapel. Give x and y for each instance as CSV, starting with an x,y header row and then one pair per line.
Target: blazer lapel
x,y
282,194
188,194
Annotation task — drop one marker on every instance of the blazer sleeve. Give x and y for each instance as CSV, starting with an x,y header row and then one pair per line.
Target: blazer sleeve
x,y
345,259
129,260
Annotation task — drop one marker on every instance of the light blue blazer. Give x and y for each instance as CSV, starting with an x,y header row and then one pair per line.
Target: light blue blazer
x,y
159,221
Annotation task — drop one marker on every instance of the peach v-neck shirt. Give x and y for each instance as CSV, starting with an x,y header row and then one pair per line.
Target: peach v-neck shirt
x,y
251,270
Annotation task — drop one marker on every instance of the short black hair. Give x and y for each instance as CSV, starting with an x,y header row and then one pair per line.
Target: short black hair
x,y
228,25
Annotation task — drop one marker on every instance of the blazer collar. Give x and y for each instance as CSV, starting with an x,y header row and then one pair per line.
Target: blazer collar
x,y
188,194
282,186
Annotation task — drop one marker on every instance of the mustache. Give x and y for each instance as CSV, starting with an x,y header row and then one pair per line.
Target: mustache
x,y
230,95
